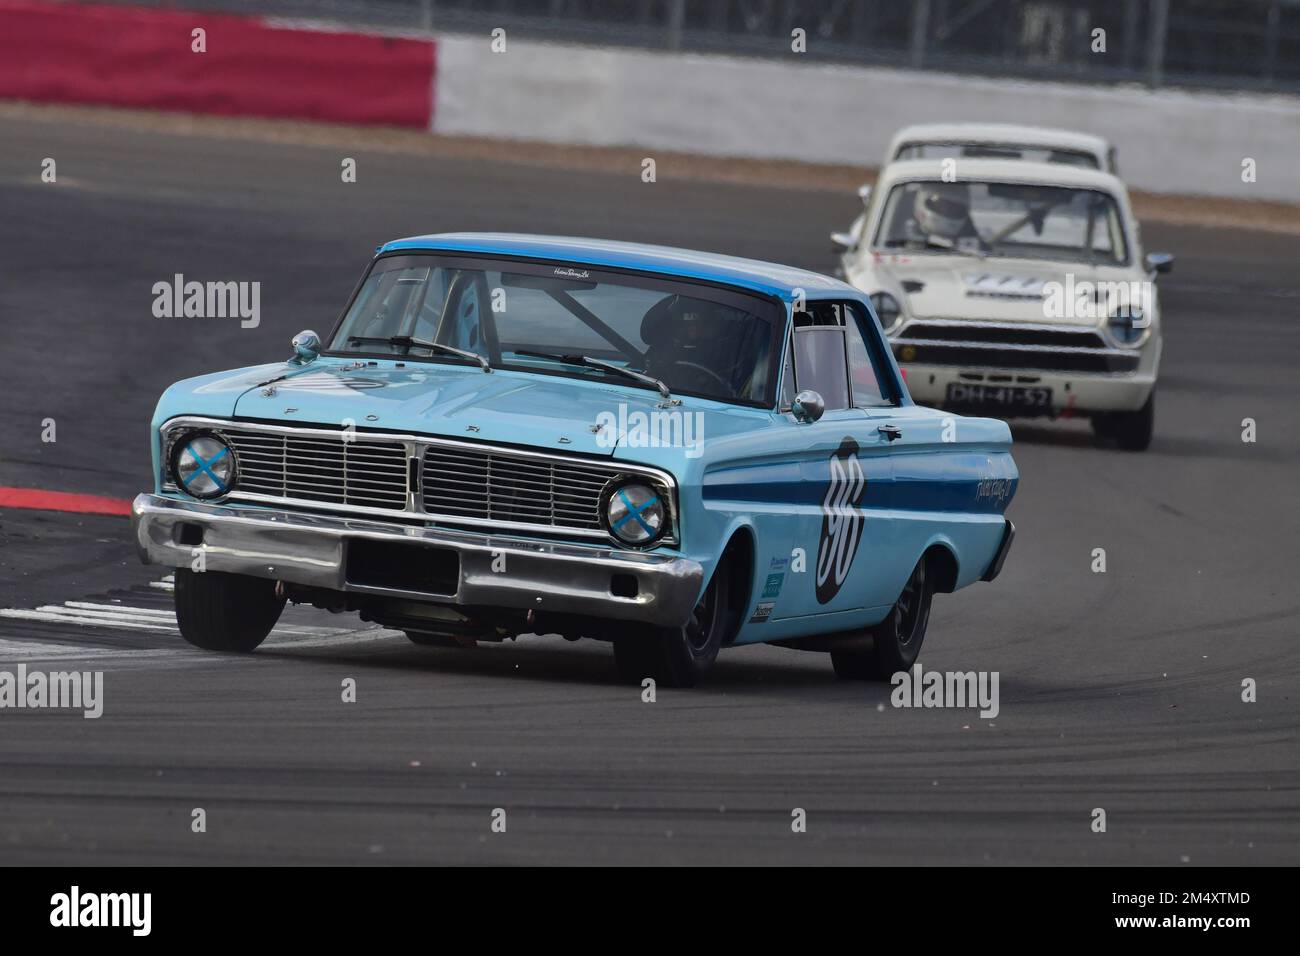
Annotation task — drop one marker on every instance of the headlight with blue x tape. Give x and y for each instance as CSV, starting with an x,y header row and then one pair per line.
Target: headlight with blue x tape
x,y
203,466
636,514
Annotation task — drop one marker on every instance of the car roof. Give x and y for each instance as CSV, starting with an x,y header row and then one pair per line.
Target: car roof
x,y
1006,134
764,277
1003,171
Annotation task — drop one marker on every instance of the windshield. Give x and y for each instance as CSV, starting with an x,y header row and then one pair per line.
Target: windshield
x,y
1033,154
695,339
1005,220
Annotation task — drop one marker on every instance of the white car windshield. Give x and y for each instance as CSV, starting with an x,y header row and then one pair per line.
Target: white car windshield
x,y
1003,220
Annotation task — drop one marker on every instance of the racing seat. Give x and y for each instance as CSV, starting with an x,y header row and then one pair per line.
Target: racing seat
x,y
688,345
466,319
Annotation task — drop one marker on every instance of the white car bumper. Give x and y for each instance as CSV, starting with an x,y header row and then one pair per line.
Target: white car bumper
x,y
1070,391
965,381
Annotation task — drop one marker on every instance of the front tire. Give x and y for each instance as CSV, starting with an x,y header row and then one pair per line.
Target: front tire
x,y
431,639
217,611
896,641
680,656
1132,431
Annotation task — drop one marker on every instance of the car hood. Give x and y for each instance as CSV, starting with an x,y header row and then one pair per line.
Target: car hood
x,y
520,408
961,287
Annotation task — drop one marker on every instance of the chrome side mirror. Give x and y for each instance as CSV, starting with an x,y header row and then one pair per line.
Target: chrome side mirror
x,y
1160,262
808,406
306,347
864,193
842,242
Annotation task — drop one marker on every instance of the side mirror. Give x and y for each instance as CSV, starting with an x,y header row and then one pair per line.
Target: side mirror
x,y
306,347
1160,262
808,406
864,193
842,242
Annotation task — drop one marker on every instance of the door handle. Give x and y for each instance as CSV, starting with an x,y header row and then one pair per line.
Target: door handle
x,y
890,431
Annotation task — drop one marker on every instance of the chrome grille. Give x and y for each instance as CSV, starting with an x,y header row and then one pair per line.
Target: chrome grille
x,y
471,484
499,486
362,473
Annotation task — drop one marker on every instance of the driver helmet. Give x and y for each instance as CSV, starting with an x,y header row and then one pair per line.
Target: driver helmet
x,y
942,209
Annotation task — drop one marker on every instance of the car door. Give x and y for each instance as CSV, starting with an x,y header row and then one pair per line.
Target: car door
x,y
844,530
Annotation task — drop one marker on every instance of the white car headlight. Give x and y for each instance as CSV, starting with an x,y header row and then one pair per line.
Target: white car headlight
x,y
202,465
888,311
636,514
1128,327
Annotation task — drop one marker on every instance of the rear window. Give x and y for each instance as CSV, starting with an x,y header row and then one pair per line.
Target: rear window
x,y
1033,154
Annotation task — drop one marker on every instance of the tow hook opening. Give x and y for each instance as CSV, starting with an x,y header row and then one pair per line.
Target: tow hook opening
x,y
624,585
189,534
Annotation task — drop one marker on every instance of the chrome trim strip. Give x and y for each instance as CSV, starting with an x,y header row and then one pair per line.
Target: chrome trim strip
x,y
975,368
1007,346
1013,326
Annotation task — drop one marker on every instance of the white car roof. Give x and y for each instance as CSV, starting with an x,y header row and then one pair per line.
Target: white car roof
x,y
1001,134
1003,171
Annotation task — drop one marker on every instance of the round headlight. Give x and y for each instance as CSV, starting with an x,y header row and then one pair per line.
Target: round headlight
x,y
636,514
888,310
203,466
1128,327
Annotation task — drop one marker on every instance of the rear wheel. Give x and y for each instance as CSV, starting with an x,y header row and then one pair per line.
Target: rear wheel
x,y
896,641
225,612
680,656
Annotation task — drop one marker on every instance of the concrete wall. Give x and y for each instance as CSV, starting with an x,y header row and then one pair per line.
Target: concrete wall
x,y
1169,141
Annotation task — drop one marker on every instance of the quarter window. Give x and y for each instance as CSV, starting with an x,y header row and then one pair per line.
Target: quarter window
x,y
832,357
819,363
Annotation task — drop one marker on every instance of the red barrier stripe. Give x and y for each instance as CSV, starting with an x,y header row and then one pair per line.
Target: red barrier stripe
x,y
40,500
143,58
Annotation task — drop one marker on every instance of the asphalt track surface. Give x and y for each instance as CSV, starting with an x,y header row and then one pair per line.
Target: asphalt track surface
x,y
1119,690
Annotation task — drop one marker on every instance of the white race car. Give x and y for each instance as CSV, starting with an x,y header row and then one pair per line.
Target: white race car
x,y
1002,141
1013,288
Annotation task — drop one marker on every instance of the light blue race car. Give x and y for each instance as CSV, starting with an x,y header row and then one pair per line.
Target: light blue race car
x,y
504,434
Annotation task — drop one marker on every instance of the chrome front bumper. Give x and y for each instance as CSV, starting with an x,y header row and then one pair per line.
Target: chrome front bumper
x,y
312,550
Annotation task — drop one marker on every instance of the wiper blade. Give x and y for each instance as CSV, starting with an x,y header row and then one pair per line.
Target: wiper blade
x,y
933,243
409,343
930,242
599,363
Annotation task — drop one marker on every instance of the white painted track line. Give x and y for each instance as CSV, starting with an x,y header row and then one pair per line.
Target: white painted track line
x,y
113,614
50,617
156,612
